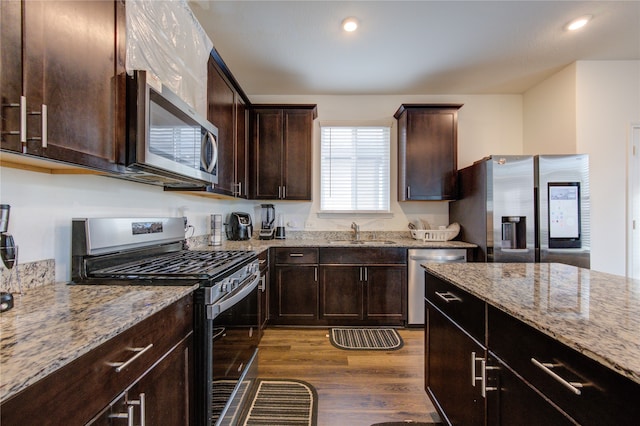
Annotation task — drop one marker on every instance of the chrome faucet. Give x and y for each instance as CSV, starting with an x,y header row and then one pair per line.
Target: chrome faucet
x,y
356,231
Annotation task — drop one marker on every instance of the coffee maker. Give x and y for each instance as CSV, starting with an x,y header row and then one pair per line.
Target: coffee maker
x,y
267,229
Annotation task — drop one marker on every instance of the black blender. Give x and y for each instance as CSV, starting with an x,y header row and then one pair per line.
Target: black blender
x,y
267,228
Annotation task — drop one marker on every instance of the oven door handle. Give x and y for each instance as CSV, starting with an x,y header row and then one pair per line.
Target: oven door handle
x,y
242,291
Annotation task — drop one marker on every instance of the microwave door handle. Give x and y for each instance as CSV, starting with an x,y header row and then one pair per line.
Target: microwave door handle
x,y
208,138
216,309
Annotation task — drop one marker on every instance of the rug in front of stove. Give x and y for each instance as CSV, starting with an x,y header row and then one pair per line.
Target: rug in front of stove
x,y
284,402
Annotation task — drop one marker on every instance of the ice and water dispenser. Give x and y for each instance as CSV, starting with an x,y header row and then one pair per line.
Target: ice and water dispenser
x,y
514,232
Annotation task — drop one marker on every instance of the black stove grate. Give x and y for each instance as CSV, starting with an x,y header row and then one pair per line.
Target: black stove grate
x,y
185,264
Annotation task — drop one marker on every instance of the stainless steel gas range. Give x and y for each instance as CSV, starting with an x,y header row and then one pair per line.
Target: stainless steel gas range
x,y
151,251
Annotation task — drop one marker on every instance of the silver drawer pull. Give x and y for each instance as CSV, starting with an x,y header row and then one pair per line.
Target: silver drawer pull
x,y
128,415
139,351
296,254
547,368
448,297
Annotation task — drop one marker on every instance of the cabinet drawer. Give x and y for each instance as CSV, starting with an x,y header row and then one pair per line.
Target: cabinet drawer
x,y
466,310
363,256
551,367
79,390
296,255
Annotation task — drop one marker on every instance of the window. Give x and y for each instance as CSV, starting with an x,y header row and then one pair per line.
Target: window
x,y
354,169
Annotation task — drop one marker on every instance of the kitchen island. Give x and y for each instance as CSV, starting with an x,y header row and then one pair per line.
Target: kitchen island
x,y
570,336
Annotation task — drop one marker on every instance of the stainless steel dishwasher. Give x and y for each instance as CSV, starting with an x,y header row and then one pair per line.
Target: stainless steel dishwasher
x,y
416,276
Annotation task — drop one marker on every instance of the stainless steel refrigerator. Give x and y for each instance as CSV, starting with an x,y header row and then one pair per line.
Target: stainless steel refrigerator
x,y
525,208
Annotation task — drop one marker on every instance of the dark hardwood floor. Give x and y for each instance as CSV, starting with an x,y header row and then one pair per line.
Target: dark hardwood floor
x,y
355,388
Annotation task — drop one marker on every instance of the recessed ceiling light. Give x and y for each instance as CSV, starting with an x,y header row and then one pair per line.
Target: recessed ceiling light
x,y
350,24
578,23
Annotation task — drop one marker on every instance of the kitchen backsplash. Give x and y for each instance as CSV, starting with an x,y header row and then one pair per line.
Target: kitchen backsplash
x,y
26,276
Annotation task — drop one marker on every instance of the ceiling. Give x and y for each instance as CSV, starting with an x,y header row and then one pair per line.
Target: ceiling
x,y
412,47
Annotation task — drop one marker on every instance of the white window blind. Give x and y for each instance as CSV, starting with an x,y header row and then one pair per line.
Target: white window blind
x,y
354,169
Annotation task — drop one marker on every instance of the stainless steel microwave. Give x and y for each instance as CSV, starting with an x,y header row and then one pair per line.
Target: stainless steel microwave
x,y
167,142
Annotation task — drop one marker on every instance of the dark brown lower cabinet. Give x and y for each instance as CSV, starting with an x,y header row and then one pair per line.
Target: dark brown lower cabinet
x,y
157,363
510,373
162,396
367,294
511,401
453,361
296,295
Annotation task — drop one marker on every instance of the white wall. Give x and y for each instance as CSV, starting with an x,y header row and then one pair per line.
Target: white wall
x,y
487,124
550,115
588,108
607,103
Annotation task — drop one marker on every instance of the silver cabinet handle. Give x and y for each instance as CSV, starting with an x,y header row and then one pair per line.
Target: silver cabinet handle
x,y
140,402
44,123
22,132
474,379
296,254
284,192
139,351
128,415
279,192
23,119
547,367
408,192
315,268
448,297
483,374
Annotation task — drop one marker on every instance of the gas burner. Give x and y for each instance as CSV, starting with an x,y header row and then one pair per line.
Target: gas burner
x,y
182,264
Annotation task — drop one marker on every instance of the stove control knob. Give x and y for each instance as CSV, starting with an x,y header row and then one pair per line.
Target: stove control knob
x,y
226,285
234,283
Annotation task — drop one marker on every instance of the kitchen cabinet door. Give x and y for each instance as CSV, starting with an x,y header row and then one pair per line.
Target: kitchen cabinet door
x,y
10,74
427,152
296,294
227,111
72,52
296,160
281,138
450,361
341,292
267,141
386,294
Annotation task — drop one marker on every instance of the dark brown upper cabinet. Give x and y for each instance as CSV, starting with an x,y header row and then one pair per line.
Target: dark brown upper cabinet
x,y
59,86
280,149
427,151
227,110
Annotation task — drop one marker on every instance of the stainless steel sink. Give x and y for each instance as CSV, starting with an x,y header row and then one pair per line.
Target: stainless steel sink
x,y
362,242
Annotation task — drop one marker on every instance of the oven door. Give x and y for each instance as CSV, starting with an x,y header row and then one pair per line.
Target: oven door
x,y
235,334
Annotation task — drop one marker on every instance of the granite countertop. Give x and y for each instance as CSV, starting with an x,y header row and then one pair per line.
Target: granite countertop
x,y
52,325
595,313
338,241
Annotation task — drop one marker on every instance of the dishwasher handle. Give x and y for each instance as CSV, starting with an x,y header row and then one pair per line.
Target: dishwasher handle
x,y
454,258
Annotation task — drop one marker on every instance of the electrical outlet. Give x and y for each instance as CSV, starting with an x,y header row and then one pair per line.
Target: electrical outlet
x,y
308,225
